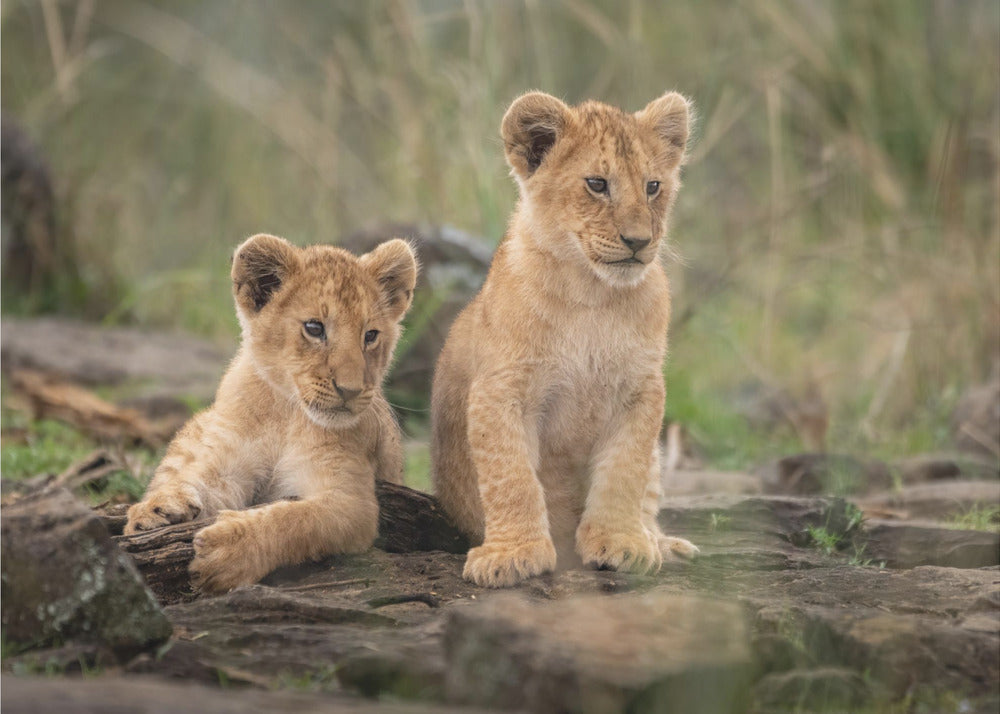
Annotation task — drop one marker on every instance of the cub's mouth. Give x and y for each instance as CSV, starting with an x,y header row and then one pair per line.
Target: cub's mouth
x,y
334,416
633,260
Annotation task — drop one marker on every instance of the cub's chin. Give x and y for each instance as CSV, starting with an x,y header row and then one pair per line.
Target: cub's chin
x,y
623,274
336,418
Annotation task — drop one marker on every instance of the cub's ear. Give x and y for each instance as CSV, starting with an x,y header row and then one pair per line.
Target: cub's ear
x,y
395,269
529,129
669,117
260,266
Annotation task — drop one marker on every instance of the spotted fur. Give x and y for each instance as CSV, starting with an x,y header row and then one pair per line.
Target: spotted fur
x,y
299,421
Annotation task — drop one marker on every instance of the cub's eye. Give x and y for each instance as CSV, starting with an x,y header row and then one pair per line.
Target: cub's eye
x,y
652,188
370,337
597,185
314,328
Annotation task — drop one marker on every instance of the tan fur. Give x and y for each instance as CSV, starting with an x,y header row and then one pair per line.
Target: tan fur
x,y
548,395
296,416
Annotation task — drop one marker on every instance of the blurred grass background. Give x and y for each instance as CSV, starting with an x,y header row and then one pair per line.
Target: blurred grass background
x,y
838,226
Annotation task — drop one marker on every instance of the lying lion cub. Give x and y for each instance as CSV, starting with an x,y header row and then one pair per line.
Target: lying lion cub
x,y
548,395
299,415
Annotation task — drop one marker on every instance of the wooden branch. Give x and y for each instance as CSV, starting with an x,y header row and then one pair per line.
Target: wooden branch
x,y
409,521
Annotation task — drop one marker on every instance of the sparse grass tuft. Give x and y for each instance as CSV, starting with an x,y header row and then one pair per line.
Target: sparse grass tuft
x,y
980,517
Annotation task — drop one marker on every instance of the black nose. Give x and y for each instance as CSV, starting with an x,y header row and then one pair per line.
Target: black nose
x,y
346,393
635,244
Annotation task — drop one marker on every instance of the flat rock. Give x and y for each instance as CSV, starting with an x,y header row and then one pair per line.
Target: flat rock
x,y
912,543
814,474
821,688
98,355
684,482
932,628
935,500
65,580
945,466
758,532
44,695
637,653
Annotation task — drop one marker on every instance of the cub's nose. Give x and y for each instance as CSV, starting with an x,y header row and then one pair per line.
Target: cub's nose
x,y
346,393
635,244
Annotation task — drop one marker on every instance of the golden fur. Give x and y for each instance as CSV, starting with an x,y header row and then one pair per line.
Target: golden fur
x,y
297,416
548,395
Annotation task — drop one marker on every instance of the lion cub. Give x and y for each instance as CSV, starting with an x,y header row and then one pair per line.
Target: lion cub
x,y
299,415
548,395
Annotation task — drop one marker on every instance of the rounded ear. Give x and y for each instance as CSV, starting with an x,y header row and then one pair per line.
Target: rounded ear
x,y
394,267
529,129
260,265
669,117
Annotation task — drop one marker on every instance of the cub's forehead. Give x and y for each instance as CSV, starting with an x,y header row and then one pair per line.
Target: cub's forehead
x,y
332,282
618,136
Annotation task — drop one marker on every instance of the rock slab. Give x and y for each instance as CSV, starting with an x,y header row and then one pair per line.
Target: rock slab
x,y
64,580
654,652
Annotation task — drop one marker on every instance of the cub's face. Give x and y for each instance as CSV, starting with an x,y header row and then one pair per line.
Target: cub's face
x,y
598,183
319,323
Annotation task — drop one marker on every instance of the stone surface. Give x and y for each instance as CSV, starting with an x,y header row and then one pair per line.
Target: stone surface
x,y
654,652
936,500
766,617
821,474
686,482
931,628
821,688
912,543
147,695
93,354
65,580
941,467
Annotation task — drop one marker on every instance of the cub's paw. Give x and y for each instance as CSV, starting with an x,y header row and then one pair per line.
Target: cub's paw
x,y
163,508
499,565
674,549
227,554
635,550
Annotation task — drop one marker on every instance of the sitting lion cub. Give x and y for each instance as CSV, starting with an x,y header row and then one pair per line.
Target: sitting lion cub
x,y
548,395
299,415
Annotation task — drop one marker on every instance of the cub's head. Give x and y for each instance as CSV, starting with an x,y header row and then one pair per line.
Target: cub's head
x,y
320,324
597,183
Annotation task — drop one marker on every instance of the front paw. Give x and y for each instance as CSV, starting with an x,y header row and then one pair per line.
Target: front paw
x,y
227,554
163,508
498,565
634,549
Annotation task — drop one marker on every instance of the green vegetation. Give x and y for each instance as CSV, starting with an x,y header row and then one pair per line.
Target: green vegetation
x,y
980,517
838,226
825,540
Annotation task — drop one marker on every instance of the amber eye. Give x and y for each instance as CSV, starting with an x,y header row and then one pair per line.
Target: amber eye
x,y
370,337
314,328
597,185
652,188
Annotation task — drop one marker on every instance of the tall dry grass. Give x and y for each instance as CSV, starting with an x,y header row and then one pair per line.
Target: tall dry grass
x,y
839,222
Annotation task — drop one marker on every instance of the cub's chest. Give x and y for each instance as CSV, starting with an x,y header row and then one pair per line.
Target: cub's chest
x,y
592,367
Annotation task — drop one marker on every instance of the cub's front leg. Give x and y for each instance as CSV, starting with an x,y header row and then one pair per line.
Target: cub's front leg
x,y
241,547
516,542
617,530
197,477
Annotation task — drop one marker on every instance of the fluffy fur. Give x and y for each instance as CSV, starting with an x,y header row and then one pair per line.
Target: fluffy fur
x,y
299,421
548,395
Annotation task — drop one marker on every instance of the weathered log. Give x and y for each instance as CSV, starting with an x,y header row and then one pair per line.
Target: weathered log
x,y
409,521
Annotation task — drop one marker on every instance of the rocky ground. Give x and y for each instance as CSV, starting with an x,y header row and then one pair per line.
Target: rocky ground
x,y
798,602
